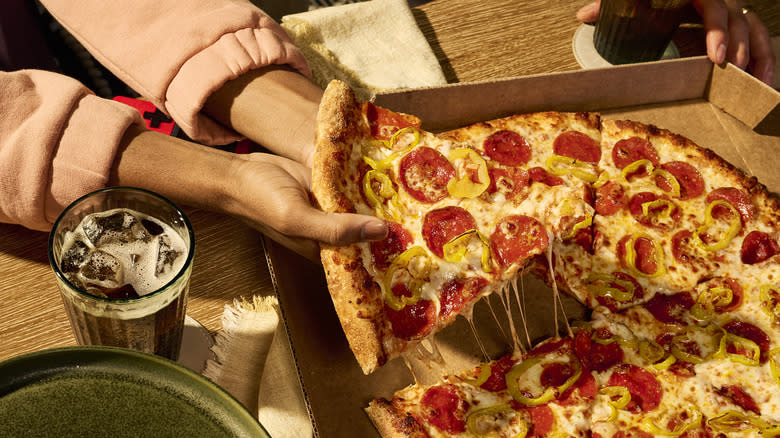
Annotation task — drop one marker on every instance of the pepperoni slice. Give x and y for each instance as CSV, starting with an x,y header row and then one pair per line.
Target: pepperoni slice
x,y
635,207
739,397
414,321
751,332
613,304
757,247
456,293
681,246
632,149
539,174
542,421
508,148
595,356
737,198
691,182
384,123
517,237
445,408
577,145
509,181
498,369
584,389
443,224
645,390
397,241
610,198
424,173
670,308
645,260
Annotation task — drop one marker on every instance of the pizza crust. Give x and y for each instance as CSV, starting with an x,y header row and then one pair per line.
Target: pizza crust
x,y
392,422
356,297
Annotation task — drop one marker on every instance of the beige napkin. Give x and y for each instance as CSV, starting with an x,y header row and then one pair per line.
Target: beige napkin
x,y
372,46
254,363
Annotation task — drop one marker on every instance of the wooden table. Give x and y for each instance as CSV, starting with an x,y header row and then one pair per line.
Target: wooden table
x,y
472,40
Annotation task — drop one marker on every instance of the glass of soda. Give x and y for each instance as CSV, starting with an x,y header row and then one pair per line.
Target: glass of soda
x,y
122,258
630,31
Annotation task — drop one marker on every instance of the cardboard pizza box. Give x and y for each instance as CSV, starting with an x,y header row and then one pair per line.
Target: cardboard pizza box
x,y
721,108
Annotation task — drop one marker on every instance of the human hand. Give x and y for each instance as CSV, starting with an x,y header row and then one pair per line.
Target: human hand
x,y
273,196
733,36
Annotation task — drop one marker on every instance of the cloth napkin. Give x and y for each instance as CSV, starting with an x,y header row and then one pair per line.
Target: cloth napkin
x,y
373,46
254,363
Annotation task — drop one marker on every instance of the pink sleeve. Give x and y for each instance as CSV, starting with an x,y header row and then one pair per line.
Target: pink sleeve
x,y
176,53
57,142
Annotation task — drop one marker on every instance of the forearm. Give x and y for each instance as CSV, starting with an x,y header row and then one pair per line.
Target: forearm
x,y
182,171
273,106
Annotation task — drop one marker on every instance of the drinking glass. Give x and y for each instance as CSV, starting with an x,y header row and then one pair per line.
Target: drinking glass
x,y
101,307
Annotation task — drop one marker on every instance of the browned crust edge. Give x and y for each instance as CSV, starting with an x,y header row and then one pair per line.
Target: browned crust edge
x,y
392,422
355,296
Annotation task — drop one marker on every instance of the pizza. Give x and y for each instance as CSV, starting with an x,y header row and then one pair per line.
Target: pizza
x,y
673,249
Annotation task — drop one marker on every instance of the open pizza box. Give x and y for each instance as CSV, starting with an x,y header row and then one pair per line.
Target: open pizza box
x,y
720,108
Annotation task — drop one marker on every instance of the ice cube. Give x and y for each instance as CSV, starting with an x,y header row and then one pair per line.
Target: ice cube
x,y
101,269
116,227
152,227
166,255
74,257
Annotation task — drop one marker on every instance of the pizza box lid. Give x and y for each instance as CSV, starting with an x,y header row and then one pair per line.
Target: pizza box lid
x,y
719,107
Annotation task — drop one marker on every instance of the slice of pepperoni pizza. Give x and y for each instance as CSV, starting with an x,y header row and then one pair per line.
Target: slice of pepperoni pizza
x,y
467,210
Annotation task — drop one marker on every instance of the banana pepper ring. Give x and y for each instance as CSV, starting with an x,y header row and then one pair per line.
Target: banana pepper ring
x,y
691,334
734,227
658,253
600,284
636,165
549,393
770,300
665,213
386,191
560,165
463,186
387,162
586,222
456,248
622,400
394,301
484,373
704,308
695,420
735,421
754,352
473,419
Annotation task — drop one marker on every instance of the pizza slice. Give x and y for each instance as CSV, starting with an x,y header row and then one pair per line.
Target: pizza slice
x,y
467,211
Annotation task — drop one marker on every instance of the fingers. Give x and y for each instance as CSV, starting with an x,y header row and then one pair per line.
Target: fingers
x,y
589,13
715,16
339,228
738,52
762,62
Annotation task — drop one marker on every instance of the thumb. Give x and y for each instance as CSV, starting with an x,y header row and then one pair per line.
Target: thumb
x,y
341,228
589,13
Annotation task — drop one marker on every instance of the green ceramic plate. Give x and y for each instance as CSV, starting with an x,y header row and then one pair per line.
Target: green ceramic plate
x,y
113,392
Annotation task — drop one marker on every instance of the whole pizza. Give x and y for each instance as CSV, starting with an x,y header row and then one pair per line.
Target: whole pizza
x,y
674,250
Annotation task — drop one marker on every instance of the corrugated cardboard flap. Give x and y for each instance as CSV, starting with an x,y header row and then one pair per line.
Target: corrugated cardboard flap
x,y
751,101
